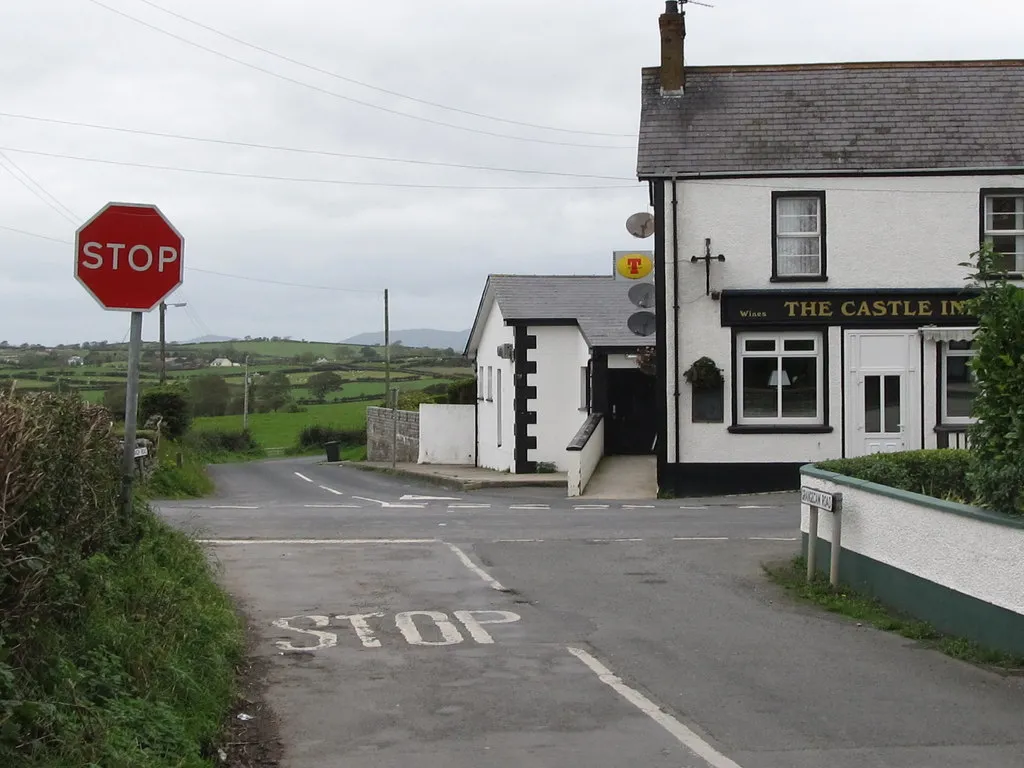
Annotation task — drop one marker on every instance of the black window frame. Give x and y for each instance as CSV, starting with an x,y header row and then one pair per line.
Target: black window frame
x,y
822,276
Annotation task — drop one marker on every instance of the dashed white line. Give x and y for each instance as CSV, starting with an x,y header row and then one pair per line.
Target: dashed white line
x,y
530,506
415,497
638,506
469,506
241,542
326,488
682,734
693,507
772,538
491,581
303,477
620,540
754,506
518,541
700,538
590,506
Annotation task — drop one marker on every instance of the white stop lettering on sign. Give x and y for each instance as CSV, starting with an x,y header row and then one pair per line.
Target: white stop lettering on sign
x,y
406,624
140,257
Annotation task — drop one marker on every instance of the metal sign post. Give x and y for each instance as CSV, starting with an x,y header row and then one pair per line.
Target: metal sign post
x,y
131,412
818,501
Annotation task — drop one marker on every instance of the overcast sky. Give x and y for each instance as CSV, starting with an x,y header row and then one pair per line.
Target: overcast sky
x,y
572,65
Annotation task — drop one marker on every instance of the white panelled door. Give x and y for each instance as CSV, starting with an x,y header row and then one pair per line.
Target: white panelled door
x,y
883,389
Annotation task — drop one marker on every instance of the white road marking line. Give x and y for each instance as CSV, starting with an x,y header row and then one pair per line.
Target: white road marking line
x,y
638,506
229,506
693,507
331,506
518,541
389,505
700,538
771,538
590,506
240,542
414,497
491,581
336,493
755,506
469,506
627,539
531,506
682,734
303,477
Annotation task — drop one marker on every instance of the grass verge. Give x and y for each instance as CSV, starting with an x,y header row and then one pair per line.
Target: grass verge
x,y
792,576
170,481
138,670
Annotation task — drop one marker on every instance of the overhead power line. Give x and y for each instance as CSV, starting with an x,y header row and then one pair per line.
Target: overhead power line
x,y
353,81
343,97
36,189
304,151
306,180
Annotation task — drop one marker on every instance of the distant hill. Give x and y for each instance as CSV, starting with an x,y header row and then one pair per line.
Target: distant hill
x,y
417,337
209,340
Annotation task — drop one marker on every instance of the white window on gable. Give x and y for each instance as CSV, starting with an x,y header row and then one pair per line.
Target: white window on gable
x,y
480,383
798,229
779,379
490,383
1003,226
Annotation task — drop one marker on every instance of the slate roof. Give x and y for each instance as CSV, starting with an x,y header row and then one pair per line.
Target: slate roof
x,y
835,117
598,304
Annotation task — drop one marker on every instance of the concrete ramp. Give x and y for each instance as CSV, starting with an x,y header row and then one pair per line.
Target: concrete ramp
x,y
624,477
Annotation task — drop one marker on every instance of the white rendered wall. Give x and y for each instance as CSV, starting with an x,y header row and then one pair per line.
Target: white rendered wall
x,y
881,232
561,352
965,554
447,434
490,454
581,464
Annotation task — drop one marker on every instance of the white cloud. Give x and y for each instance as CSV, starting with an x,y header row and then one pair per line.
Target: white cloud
x,y
574,64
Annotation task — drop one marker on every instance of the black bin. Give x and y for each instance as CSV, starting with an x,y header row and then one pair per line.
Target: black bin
x,y
333,449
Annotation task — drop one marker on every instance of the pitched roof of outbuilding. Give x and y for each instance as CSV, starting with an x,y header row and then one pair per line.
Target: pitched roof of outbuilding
x,y
598,304
749,120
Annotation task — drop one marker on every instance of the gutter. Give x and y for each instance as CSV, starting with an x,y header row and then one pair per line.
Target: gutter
x,y
834,172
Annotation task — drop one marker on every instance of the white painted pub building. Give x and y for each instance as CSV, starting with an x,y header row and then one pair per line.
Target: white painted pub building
x,y
810,224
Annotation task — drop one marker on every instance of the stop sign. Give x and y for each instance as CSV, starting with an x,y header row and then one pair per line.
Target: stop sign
x,y
129,257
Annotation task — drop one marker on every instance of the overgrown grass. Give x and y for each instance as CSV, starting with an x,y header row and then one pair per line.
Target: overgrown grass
x,y
867,610
170,481
139,674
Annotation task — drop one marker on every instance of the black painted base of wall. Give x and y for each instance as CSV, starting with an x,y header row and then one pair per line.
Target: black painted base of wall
x,y
683,480
949,611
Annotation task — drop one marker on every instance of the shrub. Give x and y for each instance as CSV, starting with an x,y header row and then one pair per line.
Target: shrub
x,y
997,438
941,473
173,403
315,435
462,392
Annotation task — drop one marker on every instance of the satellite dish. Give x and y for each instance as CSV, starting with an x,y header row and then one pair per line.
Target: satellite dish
x,y
640,225
642,295
642,323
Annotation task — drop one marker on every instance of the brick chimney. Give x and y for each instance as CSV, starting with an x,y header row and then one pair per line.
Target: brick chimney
x,y
673,32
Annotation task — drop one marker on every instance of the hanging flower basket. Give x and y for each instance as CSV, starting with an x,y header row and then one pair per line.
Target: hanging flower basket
x,y
704,374
647,360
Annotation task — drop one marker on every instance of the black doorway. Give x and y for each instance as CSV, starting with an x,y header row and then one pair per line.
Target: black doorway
x,y
631,417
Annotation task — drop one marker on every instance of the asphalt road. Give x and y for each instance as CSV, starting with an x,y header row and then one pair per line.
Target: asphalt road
x,y
410,625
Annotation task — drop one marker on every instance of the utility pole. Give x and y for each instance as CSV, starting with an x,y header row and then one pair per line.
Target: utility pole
x,y
387,348
245,397
394,427
163,337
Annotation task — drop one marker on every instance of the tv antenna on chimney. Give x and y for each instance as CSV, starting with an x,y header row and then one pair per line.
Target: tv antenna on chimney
x,y
696,2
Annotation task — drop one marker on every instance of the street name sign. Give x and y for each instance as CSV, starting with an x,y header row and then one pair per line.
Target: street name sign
x,y
816,498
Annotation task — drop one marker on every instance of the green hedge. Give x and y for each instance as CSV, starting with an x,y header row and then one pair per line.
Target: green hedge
x,y
315,435
942,473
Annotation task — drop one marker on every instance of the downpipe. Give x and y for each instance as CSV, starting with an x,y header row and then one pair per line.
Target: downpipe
x,y
675,310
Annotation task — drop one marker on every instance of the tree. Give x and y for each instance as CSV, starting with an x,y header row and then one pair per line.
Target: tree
x,y
273,392
170,401
210,395
997,437
321,384
368,353
342,352
113,401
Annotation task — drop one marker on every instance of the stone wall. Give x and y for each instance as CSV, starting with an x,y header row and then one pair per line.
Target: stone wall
x,y
380,432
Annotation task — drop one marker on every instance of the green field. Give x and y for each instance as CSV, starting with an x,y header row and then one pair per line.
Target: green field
x,y
281,430
287,348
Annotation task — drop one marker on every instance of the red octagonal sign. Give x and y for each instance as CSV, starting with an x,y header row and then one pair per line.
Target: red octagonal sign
x,y
129,257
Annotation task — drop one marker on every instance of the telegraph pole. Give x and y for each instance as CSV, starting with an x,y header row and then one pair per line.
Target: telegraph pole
x,y
245,397
163,337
